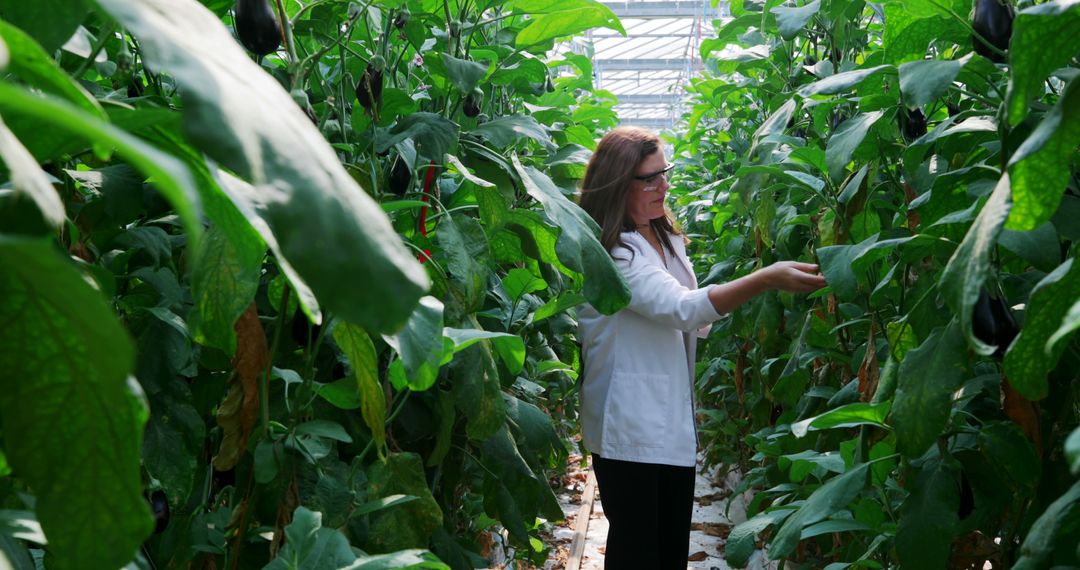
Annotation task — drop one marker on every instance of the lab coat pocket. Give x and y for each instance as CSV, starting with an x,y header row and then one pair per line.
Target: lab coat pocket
x,y
638,408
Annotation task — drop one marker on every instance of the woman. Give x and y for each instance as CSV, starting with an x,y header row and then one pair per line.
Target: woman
x,y
637,405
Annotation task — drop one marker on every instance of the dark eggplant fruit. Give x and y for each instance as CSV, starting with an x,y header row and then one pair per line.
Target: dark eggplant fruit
x,y
912,123
992,19
257,27
402,18
473,100
400,177
159,505
369,88
136,87
993,323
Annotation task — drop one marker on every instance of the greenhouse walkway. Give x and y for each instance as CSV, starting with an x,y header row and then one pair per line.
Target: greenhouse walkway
x,y
579,540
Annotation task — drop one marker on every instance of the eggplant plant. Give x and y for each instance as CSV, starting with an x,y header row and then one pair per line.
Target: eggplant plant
x,y
922,411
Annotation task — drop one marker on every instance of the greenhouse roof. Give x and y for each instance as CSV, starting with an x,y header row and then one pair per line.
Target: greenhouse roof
x,y
649,67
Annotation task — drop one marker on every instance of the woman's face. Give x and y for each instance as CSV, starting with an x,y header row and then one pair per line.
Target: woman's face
x,y
648,190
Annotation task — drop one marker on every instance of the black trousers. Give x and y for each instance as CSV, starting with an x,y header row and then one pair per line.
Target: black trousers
x,y
648,508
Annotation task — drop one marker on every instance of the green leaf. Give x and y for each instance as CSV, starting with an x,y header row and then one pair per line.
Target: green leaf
x,y
328,229
408,525
478,391
837,265
558,305
170,175
28,178
969,265
907,35
511,347
224,280
1039,246
357,346
465,244
742,542
552,20
791,21
1072,451
578,245
1047,534
846,138
464,74
922,82
928,517
849,415
842,82
309,546
834,495
1026,363
520,281
1069,324
411,558
536,433
33,65
1040,167
1043,39
50,22
1005,445
929,375
507,131
513,492
420,344
434,135
73,422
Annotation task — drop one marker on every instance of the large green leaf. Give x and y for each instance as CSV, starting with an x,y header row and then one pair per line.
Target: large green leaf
x,y
969,265
506,131
1043,39
334,235
1047,536
465,245
1070,323
1026,362
842,82
578,245
928,517
907,35
309,546
513,492
929,375
922,82
742,542
552,20
72,420
408,525
477,390
224,281
850,415
791,21
511,347
1007,446
357,346
170,175
28,178
838,266
834,495
434,135
463,74
1040,167
50,22
420,344
846,139
33,65
1072,451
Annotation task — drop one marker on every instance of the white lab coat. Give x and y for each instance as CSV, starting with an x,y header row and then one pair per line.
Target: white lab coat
x,y
637,395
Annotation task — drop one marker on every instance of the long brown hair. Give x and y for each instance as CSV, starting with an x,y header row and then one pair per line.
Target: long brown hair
x,y
609,179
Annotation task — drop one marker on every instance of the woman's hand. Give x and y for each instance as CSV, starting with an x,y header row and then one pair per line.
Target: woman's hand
x,y
793,276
